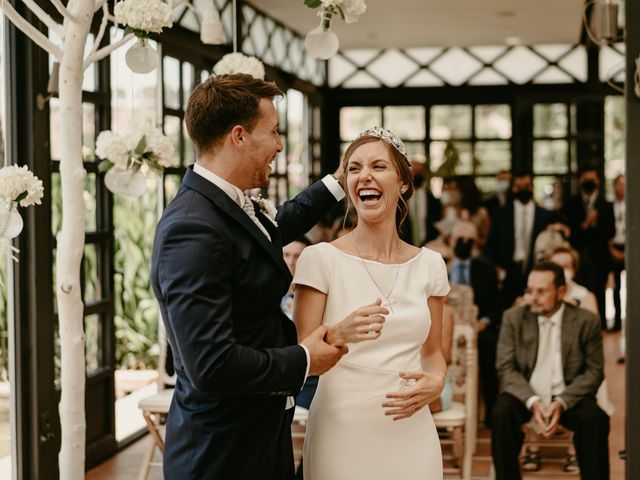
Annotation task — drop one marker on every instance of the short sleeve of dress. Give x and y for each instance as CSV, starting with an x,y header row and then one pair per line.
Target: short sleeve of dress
x,y
312,269
440,276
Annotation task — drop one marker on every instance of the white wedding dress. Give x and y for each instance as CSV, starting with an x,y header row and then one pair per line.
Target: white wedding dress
x,y
348,435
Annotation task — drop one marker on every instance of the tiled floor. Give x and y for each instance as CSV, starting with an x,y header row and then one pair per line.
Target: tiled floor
x,y
126,464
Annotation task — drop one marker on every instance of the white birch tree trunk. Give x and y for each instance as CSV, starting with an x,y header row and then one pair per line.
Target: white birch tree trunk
x,y
71,242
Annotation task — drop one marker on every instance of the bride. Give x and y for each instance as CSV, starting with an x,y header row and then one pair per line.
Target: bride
x,y
370,417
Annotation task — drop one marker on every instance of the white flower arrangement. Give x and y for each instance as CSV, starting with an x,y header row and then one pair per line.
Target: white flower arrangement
x,y
349,10
143,144
143,16
239,63
267,208
19,185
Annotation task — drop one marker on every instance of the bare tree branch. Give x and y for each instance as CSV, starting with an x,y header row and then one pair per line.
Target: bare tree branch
x,y
62,10
105,51
43,16
30,31
103,27
98,5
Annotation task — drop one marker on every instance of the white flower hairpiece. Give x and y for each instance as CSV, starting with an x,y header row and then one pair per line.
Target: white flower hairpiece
x,y
267,208
239,63
389,137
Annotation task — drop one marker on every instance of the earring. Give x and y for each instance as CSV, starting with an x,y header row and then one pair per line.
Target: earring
x,y
403,189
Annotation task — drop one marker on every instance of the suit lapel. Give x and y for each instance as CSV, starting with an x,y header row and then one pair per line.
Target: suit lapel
x,y
269,226
568,326
232,209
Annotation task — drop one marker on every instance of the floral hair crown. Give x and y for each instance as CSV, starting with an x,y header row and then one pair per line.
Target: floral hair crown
x,y
389,137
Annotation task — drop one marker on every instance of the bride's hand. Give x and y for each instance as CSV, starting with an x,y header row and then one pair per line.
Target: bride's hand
x,y
424,388
364,323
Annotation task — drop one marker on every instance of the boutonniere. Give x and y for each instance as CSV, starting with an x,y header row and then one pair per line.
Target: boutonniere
x,y
267,208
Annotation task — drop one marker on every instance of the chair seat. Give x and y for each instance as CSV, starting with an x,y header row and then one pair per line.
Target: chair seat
x,y
158,403
452,416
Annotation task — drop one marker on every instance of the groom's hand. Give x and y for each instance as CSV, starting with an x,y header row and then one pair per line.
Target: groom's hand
x,y
322,355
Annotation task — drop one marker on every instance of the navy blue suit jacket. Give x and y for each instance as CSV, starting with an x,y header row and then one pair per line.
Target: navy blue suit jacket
x,y
219,280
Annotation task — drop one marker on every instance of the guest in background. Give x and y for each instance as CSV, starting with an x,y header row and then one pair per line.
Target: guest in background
x,y
503,191
555,235
291,253
592,229
616,247
576,294
424,208
482,278
513,234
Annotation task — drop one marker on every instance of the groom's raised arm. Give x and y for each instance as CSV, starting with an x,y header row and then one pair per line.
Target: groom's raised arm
x,y
194,278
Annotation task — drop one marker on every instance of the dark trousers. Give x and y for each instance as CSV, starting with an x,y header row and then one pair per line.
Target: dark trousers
x,y
599,290
617,269
487,344
590,426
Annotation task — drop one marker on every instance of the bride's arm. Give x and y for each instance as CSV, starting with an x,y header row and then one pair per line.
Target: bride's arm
x,y
433,360
364,323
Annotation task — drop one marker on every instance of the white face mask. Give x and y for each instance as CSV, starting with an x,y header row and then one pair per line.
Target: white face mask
x,y
503,186
568,276
445,198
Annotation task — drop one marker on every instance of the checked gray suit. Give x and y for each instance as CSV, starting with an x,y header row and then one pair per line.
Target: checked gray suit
x,y
582,366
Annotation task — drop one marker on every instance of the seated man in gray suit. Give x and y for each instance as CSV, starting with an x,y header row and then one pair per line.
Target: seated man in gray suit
x,y
550,366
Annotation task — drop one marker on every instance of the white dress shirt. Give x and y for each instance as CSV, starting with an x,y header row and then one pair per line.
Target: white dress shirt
x,y
240,198
523,227
557,375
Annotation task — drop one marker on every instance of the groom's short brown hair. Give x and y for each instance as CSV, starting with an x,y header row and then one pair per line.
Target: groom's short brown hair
x,y
222,102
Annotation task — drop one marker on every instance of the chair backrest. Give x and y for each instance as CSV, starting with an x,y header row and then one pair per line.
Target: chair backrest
x,y
463,372
460,298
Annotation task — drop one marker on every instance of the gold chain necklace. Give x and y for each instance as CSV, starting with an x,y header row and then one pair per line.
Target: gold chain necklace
x,y
389,303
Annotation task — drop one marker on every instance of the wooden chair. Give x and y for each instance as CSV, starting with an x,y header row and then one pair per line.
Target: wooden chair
x,y
155,407
298,432
458,423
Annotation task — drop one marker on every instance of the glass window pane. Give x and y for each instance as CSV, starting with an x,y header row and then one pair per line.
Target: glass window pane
x,y
171,186
92,342
54,134
90,220
188,76
487,185
91,271
543,187
415,149
491,157
173,130
171,82
493,121
56,203
614,137
550,120
189,151
550,156
406,122
354,120
89,78
450,158
88,131
450,121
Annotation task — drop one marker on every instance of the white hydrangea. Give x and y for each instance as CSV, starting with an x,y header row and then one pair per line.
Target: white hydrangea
x,y
144,15
161,147
239,63
111,146
15,180
351,9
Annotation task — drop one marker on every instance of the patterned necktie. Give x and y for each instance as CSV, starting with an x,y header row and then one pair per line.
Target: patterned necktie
x,y
542,378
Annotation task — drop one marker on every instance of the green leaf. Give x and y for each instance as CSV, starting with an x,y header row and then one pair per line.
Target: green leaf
x,y
142,145
313,3
105,165
340,12
22,196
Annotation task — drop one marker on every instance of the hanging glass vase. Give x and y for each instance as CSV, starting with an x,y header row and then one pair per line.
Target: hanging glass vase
x,y
10,220
128,182
321,42
141,57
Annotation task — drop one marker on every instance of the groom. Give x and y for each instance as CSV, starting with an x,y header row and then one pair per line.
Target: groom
x,y
219,275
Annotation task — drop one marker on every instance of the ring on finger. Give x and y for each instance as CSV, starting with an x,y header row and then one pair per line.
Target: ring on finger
x,y
372,327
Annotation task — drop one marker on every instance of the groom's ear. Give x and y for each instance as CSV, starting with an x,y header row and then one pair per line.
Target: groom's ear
x,y
237,135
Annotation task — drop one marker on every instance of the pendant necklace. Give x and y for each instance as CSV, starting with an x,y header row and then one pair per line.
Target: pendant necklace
x,y
389,303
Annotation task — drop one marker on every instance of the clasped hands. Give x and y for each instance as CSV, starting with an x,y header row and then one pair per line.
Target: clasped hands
x,y
422,389
547,419
364,323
